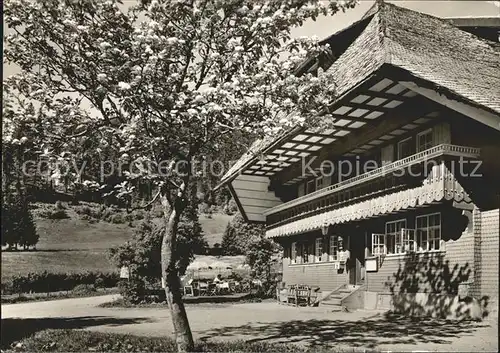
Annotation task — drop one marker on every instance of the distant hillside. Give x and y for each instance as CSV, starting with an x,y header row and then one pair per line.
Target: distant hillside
x,y
214,227
74,244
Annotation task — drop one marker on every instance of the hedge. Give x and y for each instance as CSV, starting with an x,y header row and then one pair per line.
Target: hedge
x,y
42,282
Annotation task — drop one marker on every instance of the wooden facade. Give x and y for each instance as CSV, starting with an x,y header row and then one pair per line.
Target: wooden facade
x,y
417,228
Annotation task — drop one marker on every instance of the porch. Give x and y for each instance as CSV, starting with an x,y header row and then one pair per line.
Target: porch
x,y
418,259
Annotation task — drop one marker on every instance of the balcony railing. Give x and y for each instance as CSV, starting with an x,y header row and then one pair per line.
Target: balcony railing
x,y
439,185
433,152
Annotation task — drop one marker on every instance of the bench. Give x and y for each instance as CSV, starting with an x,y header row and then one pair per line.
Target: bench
x,y
299,295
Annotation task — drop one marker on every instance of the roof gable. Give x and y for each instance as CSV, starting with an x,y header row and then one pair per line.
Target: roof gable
x,y
424,47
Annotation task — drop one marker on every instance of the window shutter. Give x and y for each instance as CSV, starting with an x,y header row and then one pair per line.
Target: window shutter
x,y
441,134
327,180
301,190
387,154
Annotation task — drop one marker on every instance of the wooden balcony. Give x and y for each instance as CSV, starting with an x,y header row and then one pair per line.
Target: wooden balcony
x,y
337,194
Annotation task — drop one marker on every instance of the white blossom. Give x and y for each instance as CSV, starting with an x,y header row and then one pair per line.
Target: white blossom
x,y
123,85
104,45
172,40
102,77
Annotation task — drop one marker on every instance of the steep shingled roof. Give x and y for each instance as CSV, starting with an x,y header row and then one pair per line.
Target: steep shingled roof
x,y
434,50
426,47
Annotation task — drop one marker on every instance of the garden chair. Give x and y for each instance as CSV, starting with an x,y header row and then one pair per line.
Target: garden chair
x,y
212,289
290,296
223,287
302,295
246,287
188,291
203,288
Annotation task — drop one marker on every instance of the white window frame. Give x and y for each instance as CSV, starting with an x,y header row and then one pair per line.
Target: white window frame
x,y
299,186
379,244
399,143
300,252
408,240
395,236
310,182
318,250
308,251
429,245
333,248
417,142
319,183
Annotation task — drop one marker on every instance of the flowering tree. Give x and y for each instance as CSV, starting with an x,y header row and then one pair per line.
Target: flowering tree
x,y
162,84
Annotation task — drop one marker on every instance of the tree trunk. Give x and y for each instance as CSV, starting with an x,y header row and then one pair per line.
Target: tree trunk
x,y
182,331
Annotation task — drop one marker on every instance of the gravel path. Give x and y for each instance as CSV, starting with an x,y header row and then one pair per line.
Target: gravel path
x,y
265,321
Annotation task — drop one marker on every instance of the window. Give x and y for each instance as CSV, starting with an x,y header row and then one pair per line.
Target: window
x,y
387,154
428,229
294,253
405,148
310,186
393,236
409,241
319,249
307,250
300,190
424,140
319,183
334,248
379,244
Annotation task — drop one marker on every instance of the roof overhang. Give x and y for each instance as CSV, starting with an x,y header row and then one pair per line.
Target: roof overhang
x,y
359,108
475,21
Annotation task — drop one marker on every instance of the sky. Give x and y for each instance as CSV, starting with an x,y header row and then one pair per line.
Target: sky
x,y
325,26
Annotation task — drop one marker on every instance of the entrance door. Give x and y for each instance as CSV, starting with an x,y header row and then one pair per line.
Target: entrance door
x,y
356,258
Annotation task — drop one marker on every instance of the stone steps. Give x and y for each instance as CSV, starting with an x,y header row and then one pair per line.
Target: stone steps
x,y
332,305
334,300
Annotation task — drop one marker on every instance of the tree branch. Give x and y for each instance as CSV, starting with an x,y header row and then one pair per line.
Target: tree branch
x,y
149,204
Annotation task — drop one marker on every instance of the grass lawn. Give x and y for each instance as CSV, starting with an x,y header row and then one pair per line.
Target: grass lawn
x,y
85,341
76,245
60,261
27,297
214,227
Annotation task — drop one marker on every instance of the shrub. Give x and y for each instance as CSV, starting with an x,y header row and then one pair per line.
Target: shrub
x,y
139,215
106,214
261,256
99,283
85,210
59,205
142,254
84,288
129,218
206,209
231,207
239,234
58,214
41,282
133,290
118,219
